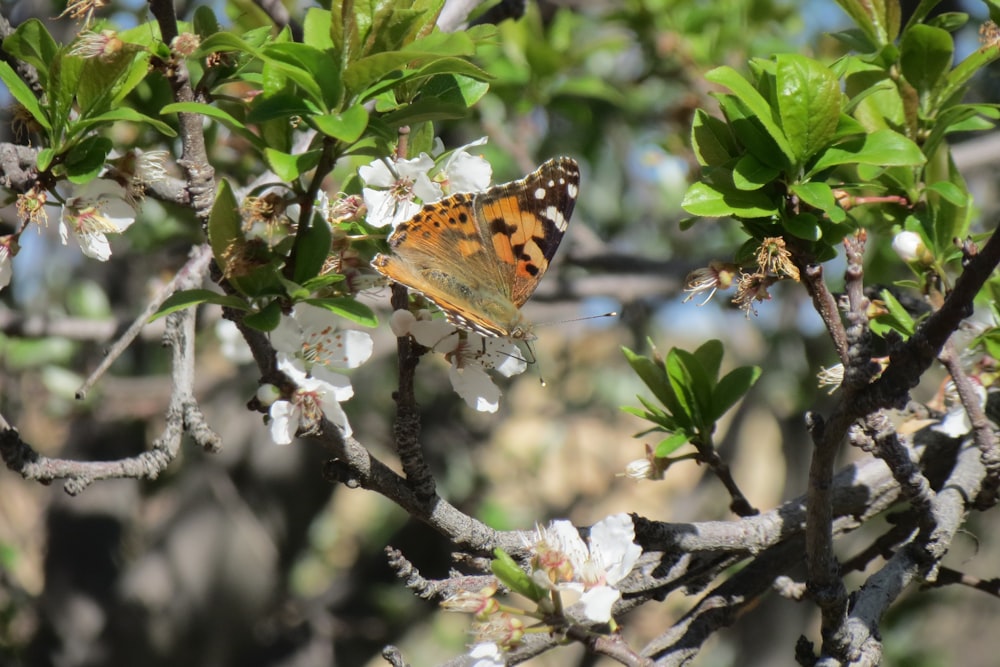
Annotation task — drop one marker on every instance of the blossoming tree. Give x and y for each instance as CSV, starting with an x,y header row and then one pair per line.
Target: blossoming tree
x,y
263,161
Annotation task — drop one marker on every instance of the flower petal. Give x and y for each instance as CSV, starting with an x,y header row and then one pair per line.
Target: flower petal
x,y
597,602
474,385
612,547
284,422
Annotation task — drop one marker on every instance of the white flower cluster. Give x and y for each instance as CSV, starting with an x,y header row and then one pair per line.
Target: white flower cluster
x,y
395,191
470,354
310,351
562,562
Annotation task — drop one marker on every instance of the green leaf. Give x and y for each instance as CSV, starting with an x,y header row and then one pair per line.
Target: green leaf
x,y
881,148
454,89
216,113
316,29
949,221
320,282
950,192
687,379
223,42
731,388
320,66
512,576
749,173
204,22
711,202
665,421
652,375
225,232
750,132
879,20
311,250
32,43
804,226
424,110
22,93
348,308
959,76
266,319
104,83
289,167
86,159
45,157
709,355
809,101
712,140
816,194
279,61
193,297
125,114
669,445
757,108
897,318
64,79
347,126
362,73
925,56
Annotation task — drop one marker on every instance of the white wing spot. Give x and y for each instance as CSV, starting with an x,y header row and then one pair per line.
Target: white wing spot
x,y
556,216
551,183
572,191
540,193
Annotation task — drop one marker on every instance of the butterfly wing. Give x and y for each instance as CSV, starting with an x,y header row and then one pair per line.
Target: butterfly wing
x,y
522,223
440,253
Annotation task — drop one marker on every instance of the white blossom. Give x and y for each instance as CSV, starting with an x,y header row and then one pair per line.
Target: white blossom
x,y
470,354
310,339
310,350
956,422
92,212
485,654
463,172
312,399
6,266
565,562
390,196
910,247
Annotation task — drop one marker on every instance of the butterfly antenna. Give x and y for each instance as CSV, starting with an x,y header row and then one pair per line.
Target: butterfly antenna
x,y
612,313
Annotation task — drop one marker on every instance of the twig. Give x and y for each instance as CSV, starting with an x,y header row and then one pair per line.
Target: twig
x,y
406,427
858,639
909,361
613,646
394,657
738,504
183,414
194,156
192,273
826,306
888,446
949,577
982,430
884,545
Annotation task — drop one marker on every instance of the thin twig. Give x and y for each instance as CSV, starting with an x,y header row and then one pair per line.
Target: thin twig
x,y
826,305
193,272
858,638
982,429
182,415
406,427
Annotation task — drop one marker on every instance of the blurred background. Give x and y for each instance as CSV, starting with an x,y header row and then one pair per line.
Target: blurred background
x,y
249,557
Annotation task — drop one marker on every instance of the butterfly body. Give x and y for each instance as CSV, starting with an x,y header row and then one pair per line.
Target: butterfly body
x,y
480,256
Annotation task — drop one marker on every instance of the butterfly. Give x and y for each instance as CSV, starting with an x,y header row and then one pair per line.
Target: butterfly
x,y
479,256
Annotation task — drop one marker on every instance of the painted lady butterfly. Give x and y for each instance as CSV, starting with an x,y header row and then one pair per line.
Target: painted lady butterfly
x,y
479,256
